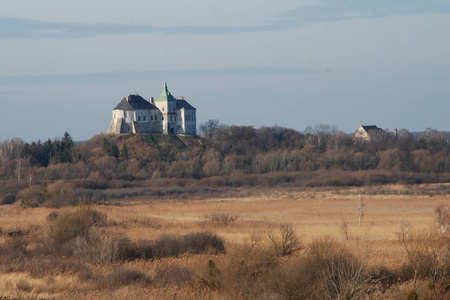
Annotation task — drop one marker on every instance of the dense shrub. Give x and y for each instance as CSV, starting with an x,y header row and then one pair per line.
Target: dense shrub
x,y
9,199
59,193
170,275
71,224
193,243
90,184
222,218
122,276
97,248
31,196
327,271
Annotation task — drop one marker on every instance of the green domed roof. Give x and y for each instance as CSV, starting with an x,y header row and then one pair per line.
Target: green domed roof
x,y
165,95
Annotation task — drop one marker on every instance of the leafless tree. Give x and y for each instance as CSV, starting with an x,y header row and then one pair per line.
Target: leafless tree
x,y
208,130
442,218
344,228
29,176
360,210
284,240
11,149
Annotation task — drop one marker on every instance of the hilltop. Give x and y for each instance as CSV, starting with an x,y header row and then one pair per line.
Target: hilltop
x,y
223,157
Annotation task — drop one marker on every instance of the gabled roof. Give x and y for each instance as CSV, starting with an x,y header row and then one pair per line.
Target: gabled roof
x,y
165,95
370,127
134,102
181,103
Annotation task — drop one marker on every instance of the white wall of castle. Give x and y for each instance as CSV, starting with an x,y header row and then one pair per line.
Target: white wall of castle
x,y
162,120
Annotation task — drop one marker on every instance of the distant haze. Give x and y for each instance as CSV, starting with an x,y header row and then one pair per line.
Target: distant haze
x,y
66,64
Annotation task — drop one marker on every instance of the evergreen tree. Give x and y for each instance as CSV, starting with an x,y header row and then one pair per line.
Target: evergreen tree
x,y
114,150
124,153
106,146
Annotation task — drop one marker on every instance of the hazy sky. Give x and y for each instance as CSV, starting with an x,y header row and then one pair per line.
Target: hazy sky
x,y
66,64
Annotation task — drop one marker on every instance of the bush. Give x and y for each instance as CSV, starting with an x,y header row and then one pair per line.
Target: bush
x,y
71,224
327,271
97,249
222,218
105,250
9,199
30,196
59,194
194,243
143,249
248,272
172,275
122,276
18,243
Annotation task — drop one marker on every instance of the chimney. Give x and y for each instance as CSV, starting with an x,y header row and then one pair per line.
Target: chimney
x,y
151,100
128,99
395,134
180,98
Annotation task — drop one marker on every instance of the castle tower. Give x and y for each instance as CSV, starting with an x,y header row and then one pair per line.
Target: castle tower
x,y
166,103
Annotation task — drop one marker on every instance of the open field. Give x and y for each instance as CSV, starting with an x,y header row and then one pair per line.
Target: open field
x,y
312,213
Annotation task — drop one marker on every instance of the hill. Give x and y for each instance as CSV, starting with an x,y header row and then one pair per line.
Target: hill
x,y
115,166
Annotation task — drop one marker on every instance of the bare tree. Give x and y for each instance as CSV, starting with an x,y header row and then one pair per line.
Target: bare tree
x,y
29,176
12,148
284,240
442,218
360,210
344,228
208,130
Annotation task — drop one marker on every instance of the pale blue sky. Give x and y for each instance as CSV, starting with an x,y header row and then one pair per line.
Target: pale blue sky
x,y
66,64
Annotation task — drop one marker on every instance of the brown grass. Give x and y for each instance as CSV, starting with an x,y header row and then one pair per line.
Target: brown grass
x,y
313,213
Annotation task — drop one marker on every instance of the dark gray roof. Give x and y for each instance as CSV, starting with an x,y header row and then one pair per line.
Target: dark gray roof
x,y
181,103
134,102
370,127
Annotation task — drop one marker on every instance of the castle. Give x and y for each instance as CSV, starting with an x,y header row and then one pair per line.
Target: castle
x,y
165,115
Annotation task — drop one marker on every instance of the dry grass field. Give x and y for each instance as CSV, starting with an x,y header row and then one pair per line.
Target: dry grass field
x,y
239,221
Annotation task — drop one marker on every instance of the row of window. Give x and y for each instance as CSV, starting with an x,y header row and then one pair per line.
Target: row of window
x,y
143,118
155,118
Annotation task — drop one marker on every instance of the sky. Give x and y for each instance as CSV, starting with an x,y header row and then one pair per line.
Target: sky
x,y
64,65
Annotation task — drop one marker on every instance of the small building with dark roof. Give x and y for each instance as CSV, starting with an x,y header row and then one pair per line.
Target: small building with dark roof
x,y
367,132
166,115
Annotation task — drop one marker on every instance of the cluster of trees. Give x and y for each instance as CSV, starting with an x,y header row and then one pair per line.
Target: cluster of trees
x,y
223,150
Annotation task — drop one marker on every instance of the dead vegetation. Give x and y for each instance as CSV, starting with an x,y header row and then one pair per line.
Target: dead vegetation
x,y
288,244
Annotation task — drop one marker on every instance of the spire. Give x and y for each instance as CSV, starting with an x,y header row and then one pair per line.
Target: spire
x,y
165,94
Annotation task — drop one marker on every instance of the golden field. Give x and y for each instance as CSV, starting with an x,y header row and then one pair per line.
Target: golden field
x,y
313,213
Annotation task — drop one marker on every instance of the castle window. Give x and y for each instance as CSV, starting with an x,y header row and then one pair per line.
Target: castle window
x,y
139,118
162,118
151,118
143,118
163,108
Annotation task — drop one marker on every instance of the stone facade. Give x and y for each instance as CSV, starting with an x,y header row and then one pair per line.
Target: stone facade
x,y
166,115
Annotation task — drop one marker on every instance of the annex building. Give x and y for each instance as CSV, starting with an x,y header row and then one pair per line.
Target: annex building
x,y
166,114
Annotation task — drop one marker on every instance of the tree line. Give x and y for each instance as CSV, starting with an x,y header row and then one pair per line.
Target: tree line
x,y
225,150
